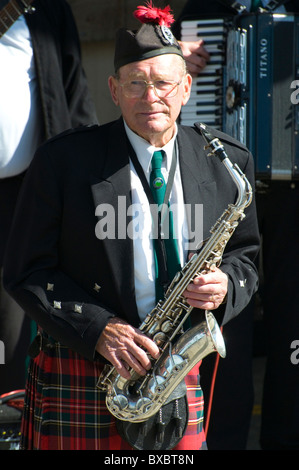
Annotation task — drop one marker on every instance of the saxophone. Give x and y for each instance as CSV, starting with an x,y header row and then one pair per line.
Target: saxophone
x,y
138,399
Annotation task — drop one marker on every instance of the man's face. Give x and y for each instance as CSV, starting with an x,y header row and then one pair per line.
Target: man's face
x,y
150,116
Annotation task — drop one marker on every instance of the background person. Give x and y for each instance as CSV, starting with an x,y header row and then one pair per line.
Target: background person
x,y
43,91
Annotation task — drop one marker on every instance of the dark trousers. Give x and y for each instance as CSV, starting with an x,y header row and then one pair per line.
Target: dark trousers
x,y
233,396
278,210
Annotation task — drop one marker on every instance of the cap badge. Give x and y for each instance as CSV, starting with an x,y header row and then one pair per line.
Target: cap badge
x,y
167,34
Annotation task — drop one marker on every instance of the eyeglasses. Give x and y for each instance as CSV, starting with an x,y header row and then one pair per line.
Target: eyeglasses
x,y
162,88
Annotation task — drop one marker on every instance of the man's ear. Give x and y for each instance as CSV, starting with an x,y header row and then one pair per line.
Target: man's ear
x,y
113,87
187,88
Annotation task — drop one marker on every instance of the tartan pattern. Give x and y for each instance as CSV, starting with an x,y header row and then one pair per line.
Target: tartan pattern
x,y
194,437
64,410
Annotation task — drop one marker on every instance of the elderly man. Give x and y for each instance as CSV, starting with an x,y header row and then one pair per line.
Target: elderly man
x,y
87,278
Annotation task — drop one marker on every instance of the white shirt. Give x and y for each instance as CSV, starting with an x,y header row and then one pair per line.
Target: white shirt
x,y
19,119
144,265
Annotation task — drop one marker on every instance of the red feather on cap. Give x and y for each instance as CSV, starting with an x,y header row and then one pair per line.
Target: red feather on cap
x,y
151,14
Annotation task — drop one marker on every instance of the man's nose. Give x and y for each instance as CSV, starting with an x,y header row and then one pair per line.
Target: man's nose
x,y
150,93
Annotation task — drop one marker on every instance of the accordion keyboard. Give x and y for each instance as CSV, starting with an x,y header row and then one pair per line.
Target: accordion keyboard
x,y
206,100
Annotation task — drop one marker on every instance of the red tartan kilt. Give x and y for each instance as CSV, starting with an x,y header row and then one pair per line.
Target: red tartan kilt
x,y
64,410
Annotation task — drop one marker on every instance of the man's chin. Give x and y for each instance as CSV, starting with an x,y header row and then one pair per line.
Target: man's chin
x,y
155,122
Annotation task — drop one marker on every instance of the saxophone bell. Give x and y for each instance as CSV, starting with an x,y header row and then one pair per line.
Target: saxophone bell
x,y
138,400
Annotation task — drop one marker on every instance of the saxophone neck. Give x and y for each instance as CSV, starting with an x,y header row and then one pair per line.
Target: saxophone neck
x,y
216,148
244,187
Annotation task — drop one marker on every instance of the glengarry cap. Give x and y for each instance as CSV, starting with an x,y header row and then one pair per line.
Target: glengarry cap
x,y
153,38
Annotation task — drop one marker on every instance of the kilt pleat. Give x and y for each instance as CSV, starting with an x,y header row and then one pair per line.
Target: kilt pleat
x,y
64,410
194,437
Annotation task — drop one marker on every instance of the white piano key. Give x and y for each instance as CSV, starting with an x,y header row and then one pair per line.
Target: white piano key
x,y
217,39
211,87
190,122
200,108
202,21
217,100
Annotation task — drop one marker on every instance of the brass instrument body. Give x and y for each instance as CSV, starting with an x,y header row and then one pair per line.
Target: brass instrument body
x,y
140,398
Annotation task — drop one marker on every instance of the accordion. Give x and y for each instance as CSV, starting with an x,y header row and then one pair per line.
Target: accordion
x,y
248,89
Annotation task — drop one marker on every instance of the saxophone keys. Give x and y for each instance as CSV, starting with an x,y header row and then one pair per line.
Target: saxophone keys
x,y
159,338
119,402
166,326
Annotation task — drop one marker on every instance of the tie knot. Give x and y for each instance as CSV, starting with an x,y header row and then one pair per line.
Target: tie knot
x,y
157,160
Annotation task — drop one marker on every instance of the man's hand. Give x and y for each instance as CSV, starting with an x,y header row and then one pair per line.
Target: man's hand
x,y
195,55
120,344
207,291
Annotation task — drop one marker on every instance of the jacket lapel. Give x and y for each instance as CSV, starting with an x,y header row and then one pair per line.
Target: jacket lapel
x,y
198,180
189,167
112,197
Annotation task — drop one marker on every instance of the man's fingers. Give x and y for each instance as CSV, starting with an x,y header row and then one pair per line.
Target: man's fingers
x,y
149,345
120,367
126,347
135,363
133,357
207,291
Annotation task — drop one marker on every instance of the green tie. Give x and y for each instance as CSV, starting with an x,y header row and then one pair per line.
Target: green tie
x,y
158,188
255,4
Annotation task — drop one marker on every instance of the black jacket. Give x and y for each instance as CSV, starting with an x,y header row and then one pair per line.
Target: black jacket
x,y
55,256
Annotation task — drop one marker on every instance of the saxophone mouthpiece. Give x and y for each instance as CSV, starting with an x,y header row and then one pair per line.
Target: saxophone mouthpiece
x,y
212,142
206,135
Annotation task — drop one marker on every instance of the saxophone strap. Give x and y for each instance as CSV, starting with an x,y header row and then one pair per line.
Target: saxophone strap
x,y
160,242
